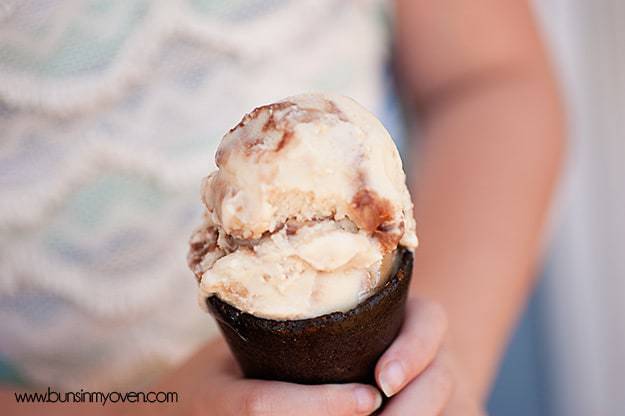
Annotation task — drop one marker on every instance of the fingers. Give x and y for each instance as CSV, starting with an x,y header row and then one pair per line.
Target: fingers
x,y
228,394
427,395
414,349
255,397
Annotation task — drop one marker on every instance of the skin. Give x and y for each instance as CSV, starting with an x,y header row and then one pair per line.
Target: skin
x,y
491,141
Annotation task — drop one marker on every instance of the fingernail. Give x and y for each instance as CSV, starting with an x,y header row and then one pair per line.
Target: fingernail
x,y
366,400
391,378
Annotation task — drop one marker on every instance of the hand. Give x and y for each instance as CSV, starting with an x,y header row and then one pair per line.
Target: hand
x,y
417,371
210,383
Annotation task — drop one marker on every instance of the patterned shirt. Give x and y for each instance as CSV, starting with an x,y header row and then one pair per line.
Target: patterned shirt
x,y
110,112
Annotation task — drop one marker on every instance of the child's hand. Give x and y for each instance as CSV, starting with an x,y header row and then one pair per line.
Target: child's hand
x,y
416,369
210,383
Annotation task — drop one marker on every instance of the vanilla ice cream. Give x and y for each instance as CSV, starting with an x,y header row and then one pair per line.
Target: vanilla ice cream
x,y
305,211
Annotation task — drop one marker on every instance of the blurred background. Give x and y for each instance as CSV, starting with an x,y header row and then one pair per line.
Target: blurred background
x,y
568,356
125,102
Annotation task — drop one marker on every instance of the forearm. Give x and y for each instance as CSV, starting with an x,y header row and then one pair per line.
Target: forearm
x,y
486,170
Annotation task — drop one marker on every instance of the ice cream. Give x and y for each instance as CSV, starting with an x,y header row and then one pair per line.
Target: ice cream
x,y
305,211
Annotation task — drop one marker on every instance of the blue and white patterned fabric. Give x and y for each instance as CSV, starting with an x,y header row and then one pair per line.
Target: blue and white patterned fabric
x,y
110,112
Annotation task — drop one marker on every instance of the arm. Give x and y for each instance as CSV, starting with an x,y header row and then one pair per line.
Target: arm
x,y
492,128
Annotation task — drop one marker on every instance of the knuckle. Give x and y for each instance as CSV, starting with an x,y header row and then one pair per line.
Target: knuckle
x,y
256,403
325,402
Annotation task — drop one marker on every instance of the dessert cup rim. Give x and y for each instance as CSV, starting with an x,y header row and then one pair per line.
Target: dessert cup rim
x,y
399,274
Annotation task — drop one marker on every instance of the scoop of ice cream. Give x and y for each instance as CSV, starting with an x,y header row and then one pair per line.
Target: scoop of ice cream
x,y
309,199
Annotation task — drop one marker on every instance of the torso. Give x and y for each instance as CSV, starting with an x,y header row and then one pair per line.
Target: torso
x,y
110,114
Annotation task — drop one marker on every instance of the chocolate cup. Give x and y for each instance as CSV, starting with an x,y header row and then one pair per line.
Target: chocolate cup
x,y
339,347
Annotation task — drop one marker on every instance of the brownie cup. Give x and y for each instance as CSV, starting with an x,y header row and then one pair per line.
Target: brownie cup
x,y
339,347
